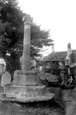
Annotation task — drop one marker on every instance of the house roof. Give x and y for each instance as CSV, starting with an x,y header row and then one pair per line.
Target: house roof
x,y
58,56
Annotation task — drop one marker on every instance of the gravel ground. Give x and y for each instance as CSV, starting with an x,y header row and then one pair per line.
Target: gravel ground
x,y
39,108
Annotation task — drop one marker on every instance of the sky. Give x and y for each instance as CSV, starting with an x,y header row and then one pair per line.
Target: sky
x,y
58,16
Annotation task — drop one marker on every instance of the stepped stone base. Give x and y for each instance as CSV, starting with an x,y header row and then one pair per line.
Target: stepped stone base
x,y
26,87
26,93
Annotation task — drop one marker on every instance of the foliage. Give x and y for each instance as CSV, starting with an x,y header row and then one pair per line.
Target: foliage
x,y
39,35
11,30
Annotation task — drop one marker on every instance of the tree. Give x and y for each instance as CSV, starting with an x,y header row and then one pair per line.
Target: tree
x,y
11,30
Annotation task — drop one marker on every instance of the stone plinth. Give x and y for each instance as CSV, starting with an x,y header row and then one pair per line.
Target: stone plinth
x,y
28,78
26,93
26,88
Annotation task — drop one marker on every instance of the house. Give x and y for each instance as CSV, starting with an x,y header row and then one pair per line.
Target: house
x,y
58,56
57,62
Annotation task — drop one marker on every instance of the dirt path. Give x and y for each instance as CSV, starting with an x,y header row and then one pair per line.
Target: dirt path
x,y
69,97
70,108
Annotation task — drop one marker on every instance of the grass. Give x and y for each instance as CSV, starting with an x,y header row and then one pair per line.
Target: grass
x,y
39,108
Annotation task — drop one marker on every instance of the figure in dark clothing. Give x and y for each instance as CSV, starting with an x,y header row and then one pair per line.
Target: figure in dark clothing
x,y
71,67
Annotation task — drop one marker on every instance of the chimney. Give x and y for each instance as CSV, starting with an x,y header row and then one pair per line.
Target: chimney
x,y
69,51
52,47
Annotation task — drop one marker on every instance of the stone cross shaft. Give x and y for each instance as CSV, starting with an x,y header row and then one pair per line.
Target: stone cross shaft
x,y
26,44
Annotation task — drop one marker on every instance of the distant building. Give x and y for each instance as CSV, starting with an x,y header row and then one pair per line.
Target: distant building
x,y
58,56
62,56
